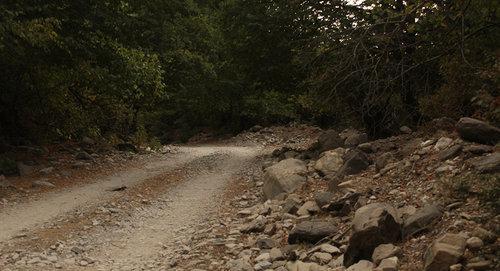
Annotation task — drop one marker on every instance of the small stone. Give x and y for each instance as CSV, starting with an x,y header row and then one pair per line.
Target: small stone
x,y
456,267
389,264
478,266
263,257
42,183
444,252
483,234
385,251
474,243
308,208
405,130
262,266
362,265
275,254
321,257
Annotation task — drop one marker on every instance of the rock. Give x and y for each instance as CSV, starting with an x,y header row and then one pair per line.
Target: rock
x,y
265,243
83,156
444,252
292,204
382,160
239,265
275,254
263,257
42,183
362,265
488,164
255,128
385,251
388,264
355,162
483,234
478,131
309,208
354,138
373,224
301,266
327,248
329,140
47,170
344,205
421,220
367,147
311,231
321,257
262,265
474,243
450,152
330,162
323,198
443,143
478,149
283,177
478,266
405,130
456,267
256,225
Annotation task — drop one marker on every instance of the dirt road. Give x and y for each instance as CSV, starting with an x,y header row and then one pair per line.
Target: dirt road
x,y
93,227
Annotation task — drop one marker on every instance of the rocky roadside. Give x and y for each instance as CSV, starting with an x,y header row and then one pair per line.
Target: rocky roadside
x,y
421,200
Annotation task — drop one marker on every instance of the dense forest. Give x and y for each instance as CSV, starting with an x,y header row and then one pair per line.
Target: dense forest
x,y
162,70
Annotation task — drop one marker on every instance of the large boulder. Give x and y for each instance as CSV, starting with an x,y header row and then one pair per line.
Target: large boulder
x,y
444,252
329,140
311,231
478,131
330,162
355,161
373,224
284,177
488,164
421,220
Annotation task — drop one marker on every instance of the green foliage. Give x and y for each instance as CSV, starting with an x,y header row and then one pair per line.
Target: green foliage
x,y
133,70
8,166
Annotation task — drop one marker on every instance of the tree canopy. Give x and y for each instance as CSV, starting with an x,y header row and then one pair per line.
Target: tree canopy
x,y
136,70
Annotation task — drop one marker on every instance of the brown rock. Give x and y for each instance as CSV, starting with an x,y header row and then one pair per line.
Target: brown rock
x,y
444,252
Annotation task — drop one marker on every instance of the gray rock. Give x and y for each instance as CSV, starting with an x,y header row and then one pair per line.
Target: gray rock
x,y
450,152
239,265
385,251
443,143
302,266
355,162
262,265
488,164
330,162
265,243
405,130
256,225
43,183
382,160
355,138
283,177
483,234
474,243
275,254
367,147
321,257
478,149
478,131
88,141
292,204
311,231
479,266
362,265
421,220
388,264
444,252
329,140
323,198
308,208
373,224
